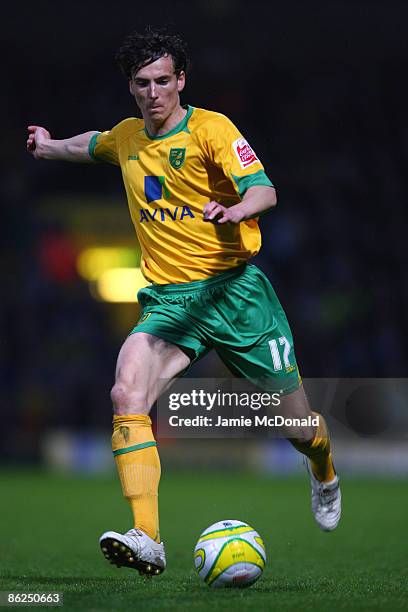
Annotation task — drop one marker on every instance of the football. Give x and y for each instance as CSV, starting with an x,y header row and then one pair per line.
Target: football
x,y
229,554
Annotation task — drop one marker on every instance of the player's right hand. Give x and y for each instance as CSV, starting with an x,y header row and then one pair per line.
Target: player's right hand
x,y
37,135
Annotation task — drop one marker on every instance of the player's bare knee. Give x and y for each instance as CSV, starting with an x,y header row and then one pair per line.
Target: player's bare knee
x,y
127,399
118,395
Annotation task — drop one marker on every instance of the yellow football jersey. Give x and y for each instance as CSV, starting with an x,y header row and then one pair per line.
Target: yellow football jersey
x,y
169,179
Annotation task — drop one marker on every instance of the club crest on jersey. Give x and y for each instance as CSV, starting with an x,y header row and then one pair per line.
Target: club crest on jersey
x,y
244,152
177,157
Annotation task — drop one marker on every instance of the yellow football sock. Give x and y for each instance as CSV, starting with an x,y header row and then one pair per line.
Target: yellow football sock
x,y
138,463
319,452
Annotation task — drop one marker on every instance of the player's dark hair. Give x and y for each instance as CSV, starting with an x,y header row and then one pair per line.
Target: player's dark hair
x,y
140,49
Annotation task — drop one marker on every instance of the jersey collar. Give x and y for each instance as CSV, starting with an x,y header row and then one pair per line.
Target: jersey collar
x,y
180,127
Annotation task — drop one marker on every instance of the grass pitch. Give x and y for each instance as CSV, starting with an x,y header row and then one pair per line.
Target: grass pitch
x,y
50,527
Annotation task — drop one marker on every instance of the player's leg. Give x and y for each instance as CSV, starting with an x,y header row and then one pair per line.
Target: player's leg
x,y
146,365
314,444
311,441
261,349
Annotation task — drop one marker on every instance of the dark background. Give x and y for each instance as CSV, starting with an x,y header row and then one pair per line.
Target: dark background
x,y
320,91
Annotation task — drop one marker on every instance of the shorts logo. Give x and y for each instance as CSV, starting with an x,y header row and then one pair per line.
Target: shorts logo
x,y
244,152
144,317
154,186
177,157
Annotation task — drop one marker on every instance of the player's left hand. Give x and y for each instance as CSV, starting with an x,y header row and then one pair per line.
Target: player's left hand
x,y
219,214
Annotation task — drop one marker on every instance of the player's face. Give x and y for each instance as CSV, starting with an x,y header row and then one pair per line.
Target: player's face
x,y
156,89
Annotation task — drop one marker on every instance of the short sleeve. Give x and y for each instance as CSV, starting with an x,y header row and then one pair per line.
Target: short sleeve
x,y
103,147
229,150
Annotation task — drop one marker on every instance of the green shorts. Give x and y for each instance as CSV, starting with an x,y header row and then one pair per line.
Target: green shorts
x,y
236,313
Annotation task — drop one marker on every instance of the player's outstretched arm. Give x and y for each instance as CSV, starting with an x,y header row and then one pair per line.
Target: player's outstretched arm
x,y
42,146
256,201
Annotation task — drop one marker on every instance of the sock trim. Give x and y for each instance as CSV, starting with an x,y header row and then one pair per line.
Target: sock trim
x,y
135,447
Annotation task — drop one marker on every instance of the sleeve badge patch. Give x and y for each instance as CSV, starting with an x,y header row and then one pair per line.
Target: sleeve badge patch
x,y
244,152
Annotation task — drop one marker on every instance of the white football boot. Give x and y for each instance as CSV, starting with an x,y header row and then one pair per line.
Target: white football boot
x,y
134,549
326,500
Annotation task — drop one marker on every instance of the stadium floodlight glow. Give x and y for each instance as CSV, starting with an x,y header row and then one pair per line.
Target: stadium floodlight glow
x,y
119,285
93,261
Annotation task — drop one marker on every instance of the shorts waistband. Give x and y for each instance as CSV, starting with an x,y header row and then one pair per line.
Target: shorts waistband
x,y
201,285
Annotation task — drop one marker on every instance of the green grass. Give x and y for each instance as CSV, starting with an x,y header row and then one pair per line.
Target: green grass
x,y
50,526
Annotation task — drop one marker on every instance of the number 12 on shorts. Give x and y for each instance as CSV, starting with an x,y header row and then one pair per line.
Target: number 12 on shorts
x,y
275,348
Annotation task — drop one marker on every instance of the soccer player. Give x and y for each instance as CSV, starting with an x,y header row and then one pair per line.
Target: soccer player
x,y
195,189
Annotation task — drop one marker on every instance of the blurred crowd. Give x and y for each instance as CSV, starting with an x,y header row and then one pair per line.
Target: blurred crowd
x,y
333,138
